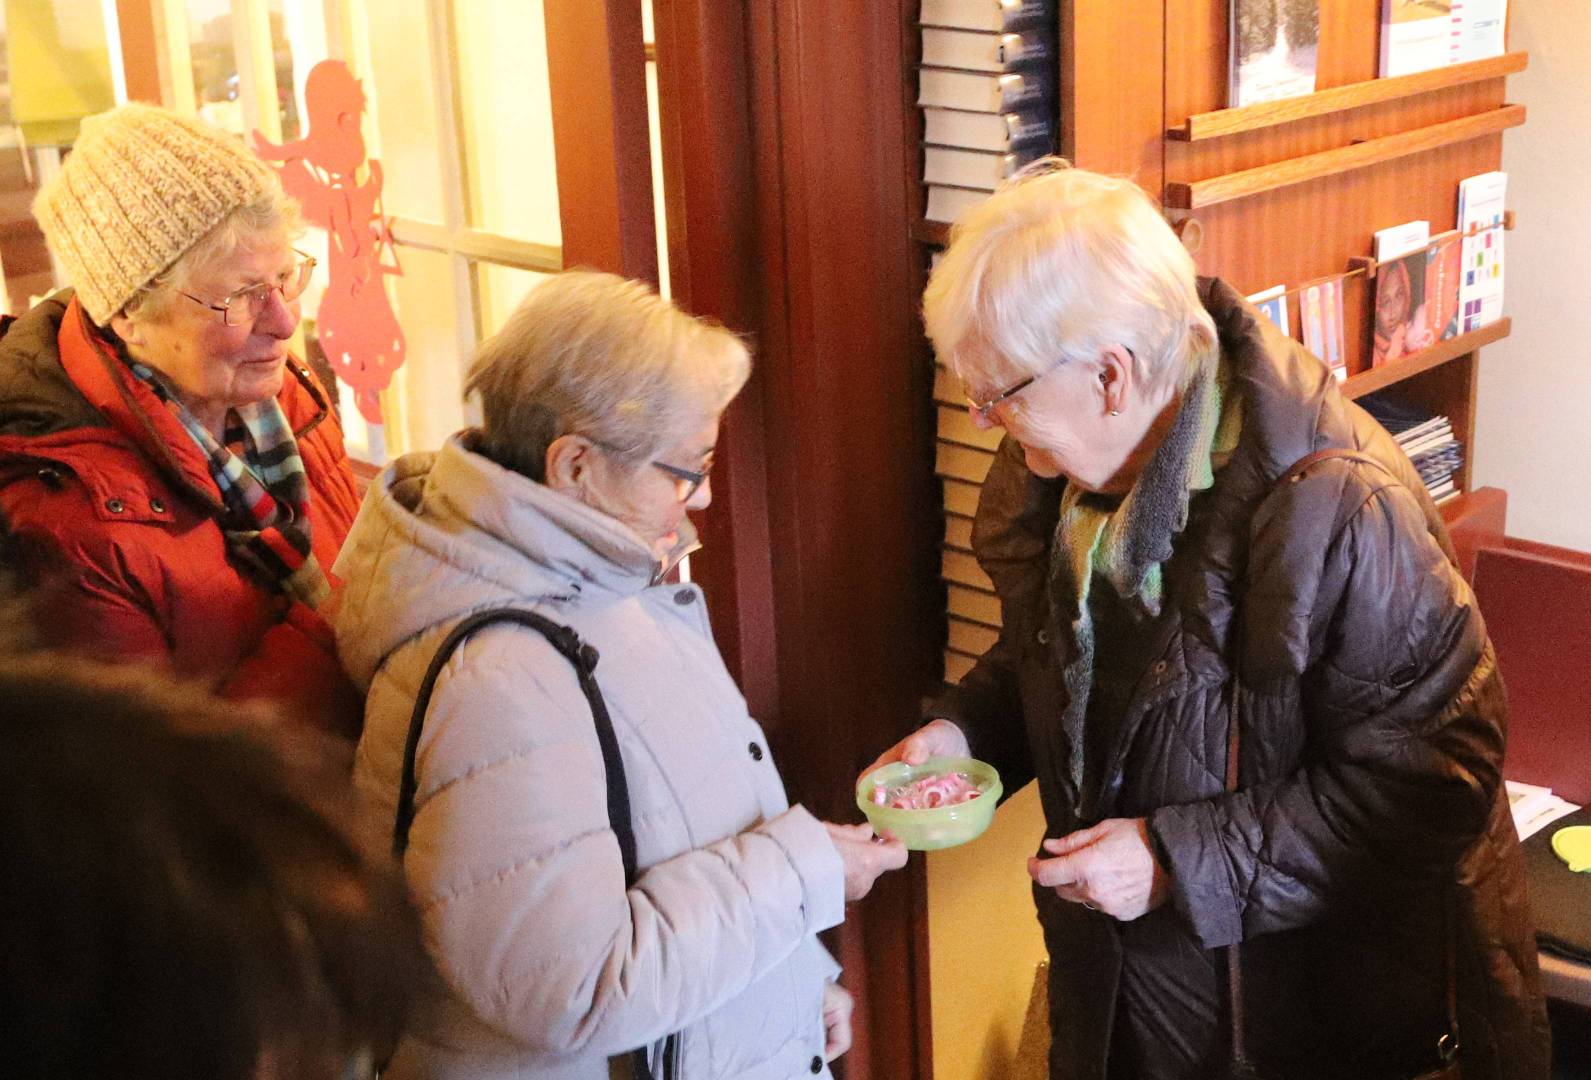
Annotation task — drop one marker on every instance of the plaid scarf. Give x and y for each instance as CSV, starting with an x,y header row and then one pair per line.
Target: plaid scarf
x,y
1126,543
263,488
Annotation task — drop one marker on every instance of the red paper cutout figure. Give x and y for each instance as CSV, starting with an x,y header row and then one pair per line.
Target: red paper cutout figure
x,y
356,324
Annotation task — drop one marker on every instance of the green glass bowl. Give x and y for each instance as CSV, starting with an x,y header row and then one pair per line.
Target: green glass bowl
x,y
943,826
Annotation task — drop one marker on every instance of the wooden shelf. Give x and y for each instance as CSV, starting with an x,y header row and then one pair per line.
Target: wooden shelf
x,y
1220,189
1368,382
935,233
1214,125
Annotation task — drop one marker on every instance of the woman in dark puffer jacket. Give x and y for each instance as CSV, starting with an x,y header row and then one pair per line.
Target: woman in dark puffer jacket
x,y
1174,552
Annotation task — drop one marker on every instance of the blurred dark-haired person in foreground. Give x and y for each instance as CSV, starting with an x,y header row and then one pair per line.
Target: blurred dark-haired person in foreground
x,y
186,891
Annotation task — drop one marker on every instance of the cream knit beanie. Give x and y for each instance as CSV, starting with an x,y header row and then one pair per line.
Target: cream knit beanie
x,y
141,186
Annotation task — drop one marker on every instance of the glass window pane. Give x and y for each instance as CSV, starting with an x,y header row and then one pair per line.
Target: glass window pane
x,y
298,43
215,64
502,288
402,99
426,402
507,119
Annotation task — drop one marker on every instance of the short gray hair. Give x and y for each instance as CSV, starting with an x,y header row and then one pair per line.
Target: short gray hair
x,y
1059,265
598,355
273,214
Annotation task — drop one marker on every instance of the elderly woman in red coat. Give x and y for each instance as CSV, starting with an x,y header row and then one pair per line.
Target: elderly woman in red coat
x,y
173,483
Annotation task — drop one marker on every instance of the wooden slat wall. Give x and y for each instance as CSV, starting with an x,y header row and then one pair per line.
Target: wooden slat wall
x,y
1310,230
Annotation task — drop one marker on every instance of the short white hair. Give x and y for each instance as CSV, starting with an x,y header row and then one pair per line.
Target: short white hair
x,y
1057,266
598,355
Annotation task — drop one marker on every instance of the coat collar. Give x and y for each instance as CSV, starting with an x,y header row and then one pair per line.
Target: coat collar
x,y
97,372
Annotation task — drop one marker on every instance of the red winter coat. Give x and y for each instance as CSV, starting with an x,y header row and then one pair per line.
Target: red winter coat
x,y
111,516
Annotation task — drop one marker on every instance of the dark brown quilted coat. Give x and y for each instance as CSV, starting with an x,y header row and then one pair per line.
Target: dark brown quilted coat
x,y
1373,721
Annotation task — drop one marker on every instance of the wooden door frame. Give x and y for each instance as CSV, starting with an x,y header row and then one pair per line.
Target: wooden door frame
x,y
596,66
790,219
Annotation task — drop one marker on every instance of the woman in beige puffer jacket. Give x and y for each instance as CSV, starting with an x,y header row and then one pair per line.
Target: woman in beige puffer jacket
x,y
601,407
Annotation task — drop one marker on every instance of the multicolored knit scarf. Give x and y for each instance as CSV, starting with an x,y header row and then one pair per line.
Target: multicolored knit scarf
x,y
264,489
1126,544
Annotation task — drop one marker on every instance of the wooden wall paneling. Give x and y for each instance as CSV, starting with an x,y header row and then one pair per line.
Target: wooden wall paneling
x,y
1113,80
704,99
1294,234
1358,155
1332,100
596,64
849,432
931,630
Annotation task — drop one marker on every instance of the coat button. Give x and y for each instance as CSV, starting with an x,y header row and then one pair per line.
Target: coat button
x,y
817,1065
1043,637
1160,667
115,506
157,506
684,597
755,751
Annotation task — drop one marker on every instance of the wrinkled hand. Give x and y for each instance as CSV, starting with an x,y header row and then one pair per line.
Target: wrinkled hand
x,y
865,856
1110,867
937,738
837,1006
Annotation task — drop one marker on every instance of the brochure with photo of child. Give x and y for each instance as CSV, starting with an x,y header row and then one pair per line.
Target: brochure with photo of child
x,y
1400,323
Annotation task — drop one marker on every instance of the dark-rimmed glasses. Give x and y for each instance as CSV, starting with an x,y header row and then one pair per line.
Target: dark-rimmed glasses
x,y
687,482
245,305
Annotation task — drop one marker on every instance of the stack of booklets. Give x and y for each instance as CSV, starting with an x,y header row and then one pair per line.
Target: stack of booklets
x,y
987,88
1427,440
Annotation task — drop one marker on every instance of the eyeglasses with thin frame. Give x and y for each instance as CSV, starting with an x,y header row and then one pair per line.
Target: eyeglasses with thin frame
x,y
983,409
687,482
245,305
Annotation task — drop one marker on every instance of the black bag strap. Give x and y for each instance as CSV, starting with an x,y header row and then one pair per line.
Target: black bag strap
x,y
1242,1067
584,659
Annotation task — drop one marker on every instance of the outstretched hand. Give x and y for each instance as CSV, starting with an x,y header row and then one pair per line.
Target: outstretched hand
x,y
1110,867
937,738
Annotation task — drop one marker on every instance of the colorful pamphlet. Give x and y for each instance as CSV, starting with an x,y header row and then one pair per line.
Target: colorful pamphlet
x,y
1443,267
1320,313
1481,204
1272,303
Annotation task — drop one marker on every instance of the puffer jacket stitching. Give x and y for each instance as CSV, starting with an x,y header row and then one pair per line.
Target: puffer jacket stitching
x,y
795,868
502,873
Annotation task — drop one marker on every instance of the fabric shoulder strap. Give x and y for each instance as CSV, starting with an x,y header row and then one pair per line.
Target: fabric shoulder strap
x,y
584,659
